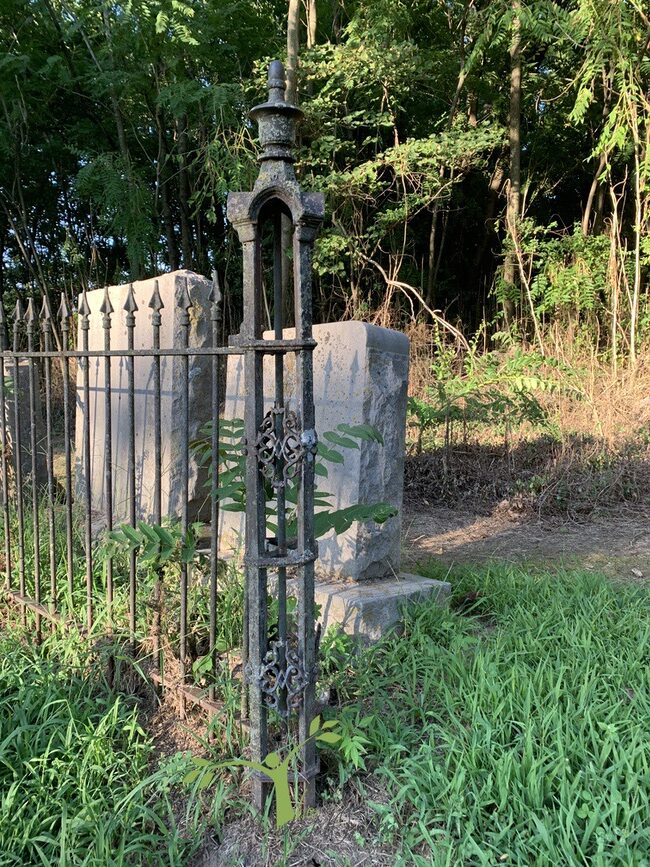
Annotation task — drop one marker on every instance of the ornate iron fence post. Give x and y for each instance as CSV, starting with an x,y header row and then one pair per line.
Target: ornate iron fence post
x,y
281,443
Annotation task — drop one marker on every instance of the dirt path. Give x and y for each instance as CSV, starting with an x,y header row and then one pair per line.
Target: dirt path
x,y
616,543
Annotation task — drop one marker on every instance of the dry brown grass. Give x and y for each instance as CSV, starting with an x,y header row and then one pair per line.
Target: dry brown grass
x,y
595,453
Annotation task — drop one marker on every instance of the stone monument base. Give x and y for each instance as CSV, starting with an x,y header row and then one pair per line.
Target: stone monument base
x,y
370,609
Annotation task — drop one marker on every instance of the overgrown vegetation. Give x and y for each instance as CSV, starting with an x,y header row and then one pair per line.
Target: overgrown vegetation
x,y
507,730
232,478
560,434
77,782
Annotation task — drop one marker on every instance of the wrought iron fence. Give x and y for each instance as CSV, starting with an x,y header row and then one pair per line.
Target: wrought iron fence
x,y
57,563
44,507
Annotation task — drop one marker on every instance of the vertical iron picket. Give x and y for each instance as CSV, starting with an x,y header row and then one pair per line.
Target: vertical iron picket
x,y
106,310
131,307
5,443
156,306
215,315
33,443
184,304
84,314
18,317
46,325
64,317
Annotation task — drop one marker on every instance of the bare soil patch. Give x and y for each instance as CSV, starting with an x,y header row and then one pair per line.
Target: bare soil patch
x,y
615,542
336,835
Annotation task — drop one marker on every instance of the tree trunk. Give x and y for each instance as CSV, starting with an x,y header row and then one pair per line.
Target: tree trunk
x,y
597,190
312,23
165,207
184,194
514,189
293,50
593,197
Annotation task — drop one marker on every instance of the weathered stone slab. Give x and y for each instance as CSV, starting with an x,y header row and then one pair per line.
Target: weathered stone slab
x,y
360,377
171,370
369,609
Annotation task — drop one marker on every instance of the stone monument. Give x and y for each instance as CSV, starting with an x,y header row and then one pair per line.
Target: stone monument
x,y
171,371
360,377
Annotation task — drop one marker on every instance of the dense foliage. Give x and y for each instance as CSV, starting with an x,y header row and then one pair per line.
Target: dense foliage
x,y
478,158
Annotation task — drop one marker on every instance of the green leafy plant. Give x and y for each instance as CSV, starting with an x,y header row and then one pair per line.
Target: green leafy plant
x,y
154,544
232,488
273,767
494,389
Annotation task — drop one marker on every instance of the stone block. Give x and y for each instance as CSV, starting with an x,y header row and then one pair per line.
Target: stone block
x,y
360,377
369,609
171,373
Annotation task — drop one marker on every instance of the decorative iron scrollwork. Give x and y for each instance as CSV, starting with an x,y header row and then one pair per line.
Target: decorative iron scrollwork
x,y
282,673
281,446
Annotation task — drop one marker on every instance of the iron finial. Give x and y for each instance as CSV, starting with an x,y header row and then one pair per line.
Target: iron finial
x,y
276,119
64,310
215,293
130,305
107,307
84,307
156,303
184,300
30,315
46,309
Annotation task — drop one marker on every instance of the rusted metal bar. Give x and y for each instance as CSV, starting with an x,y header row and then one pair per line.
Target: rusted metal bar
x,y
156,306
4,442
192,694
131,307
185,304
18,472
141,353
64,316
31,319
106,310
235,349
215,315
37,607
46,325
84,314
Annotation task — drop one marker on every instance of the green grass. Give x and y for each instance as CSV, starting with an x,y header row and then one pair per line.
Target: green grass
x,y
517,732
513,728
75,783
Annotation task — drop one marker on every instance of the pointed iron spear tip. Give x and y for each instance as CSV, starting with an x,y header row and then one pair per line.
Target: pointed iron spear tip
x,y
184,301
84,307
129,305
64,312
156,302
215,295
46,309
3,318
31,312
107,307
18,311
